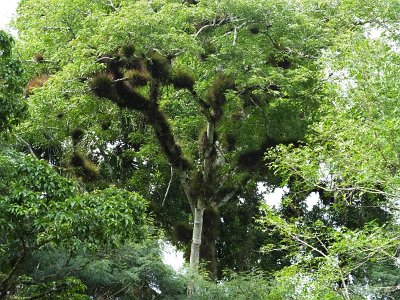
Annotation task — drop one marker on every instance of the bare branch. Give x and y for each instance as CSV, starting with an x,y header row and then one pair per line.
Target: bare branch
x,y
169,185
213,24
227,197
27,144
186,189
112,5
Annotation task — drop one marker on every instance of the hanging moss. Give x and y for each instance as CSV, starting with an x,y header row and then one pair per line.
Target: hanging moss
x,y
274,87
127,51
119,84
279,62
34,83
230,142
190,2
77,135
158,66
196,184
129,98
208,49
77,160
284,63
84,167
216,93
252,159
90,170
114,67
106,125
183,232
136,101
202,142
166,139
254,29
237,116
38,57
136,63
253,96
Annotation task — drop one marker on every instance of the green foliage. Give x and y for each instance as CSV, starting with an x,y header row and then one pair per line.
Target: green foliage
x,y
13,109
172,27
236,286
107,216
133,271
41,210
67,288
263,89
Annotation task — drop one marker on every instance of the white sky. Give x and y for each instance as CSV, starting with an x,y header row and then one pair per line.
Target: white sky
x,y
7,11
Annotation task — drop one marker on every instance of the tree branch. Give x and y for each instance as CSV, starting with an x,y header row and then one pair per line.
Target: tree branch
x,y
15,267
205,107
228,197
186,189
235,35
27,144
213,24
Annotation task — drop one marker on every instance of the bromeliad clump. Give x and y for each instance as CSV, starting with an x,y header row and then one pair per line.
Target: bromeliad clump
x,y
158,66
137,78
77,135
102,86
84,167
182,80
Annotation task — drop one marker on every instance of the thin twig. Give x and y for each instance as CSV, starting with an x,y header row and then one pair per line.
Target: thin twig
x,y
234,36
169,185
112,5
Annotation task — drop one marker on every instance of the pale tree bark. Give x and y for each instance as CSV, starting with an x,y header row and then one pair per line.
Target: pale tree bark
x,y
198,214
196,237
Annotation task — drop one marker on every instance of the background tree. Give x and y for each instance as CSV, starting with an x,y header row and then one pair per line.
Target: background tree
x,y
11,84
350,156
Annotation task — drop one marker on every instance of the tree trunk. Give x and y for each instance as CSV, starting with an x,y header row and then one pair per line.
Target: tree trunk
x,y
210,235
196,243
196,237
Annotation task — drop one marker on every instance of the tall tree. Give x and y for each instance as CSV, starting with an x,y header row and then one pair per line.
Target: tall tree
x,y
213,116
